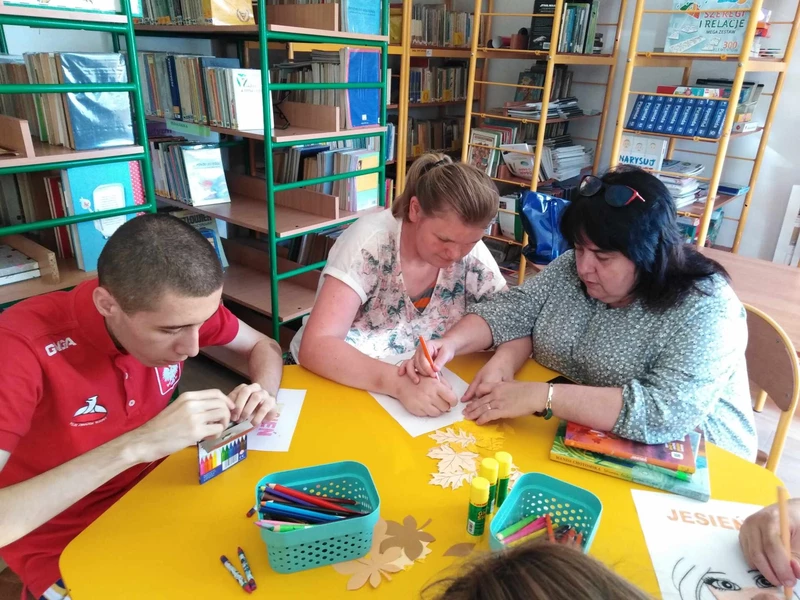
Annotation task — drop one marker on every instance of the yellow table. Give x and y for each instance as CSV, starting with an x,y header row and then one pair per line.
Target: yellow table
x,y
164,538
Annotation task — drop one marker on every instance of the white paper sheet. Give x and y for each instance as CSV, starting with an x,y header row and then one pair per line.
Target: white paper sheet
x,y
275,434
416,426
694,547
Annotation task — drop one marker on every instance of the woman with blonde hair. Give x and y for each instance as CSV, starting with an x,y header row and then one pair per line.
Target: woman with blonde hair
x,y
396,275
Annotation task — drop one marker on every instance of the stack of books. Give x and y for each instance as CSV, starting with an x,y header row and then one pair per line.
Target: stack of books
x,y
189,172
78,121
683,186
15,266
197,12
435,25
534,76
564,162
578,31
679,467
438,84
437,135
562,108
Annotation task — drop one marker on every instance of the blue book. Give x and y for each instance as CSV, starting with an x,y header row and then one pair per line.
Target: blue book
x,y
686,114
172,75
94,189
665,114
361,16
636,111
645,114
694,121
706,117
675,114
658,103
715,130
96,119
362,107
569,29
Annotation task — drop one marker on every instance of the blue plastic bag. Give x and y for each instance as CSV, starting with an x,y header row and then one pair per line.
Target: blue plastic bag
x,y
541,218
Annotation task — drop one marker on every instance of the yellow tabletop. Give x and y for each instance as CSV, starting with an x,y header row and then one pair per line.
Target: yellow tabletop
x,y
164,538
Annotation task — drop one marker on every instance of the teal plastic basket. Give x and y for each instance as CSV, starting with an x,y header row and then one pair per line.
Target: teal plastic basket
x,y
537,494
328,543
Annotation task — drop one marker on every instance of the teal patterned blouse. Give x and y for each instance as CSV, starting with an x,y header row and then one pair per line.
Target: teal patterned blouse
x,y
678,369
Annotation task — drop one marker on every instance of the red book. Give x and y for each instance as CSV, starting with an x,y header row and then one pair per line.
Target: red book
x,y
676,455
56,199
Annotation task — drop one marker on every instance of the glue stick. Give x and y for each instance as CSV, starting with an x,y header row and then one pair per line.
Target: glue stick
x,y
489,468
478,501
504,462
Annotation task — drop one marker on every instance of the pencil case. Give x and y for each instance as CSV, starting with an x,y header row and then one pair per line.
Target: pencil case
x,y
537,494
328,543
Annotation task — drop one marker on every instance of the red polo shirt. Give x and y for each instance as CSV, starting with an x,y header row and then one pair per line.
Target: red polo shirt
x,y
64,390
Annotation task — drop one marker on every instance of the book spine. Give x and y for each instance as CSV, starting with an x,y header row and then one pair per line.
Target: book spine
x,y
624,474
706,118
645,114
686,114
172,75
636,111
718,120
694,122
665,114
658,104
675,114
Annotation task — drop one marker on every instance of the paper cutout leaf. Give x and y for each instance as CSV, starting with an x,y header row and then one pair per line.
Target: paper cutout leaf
x,y
462,549
407,536
491,444
370,568
451,480
452,461
449,436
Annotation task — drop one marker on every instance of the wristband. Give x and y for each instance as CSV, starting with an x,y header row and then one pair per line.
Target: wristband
x,y
547,413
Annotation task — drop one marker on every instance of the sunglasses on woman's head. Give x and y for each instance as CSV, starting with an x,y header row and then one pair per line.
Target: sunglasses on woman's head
x,y
615,195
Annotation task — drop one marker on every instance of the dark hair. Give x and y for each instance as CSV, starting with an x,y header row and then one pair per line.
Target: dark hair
x,y
441,184
667,269
536,571
152,254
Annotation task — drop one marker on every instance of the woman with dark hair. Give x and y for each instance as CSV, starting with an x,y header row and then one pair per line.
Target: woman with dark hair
x,y
646,326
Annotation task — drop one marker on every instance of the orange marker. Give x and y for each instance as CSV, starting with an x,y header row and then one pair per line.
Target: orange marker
x,y
549,524
427,355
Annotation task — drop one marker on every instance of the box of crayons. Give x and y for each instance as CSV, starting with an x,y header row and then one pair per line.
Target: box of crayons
x,y
542,506
317,516
219,454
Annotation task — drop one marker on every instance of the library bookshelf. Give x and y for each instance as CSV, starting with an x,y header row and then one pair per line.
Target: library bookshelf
x,y
29,155
264,282
481,52
738,65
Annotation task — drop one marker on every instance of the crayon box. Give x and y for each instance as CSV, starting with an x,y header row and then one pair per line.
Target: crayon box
x,y
219,454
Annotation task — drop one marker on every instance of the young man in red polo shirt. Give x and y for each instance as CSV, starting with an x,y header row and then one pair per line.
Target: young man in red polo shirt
x,y
86,381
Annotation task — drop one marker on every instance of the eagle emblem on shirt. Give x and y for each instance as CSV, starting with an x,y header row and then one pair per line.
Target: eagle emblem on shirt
x,y
168,377
90,413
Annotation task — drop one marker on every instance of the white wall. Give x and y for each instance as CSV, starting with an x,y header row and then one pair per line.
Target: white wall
x,y
781,165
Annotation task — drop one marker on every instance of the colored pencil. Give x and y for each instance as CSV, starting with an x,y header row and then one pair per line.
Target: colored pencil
x,y
549,524
528,538
301,513
786,536
517,526
428,355
287,497
282,528
316,509
246,568
317,501
235,574
525,531
271,522
333,499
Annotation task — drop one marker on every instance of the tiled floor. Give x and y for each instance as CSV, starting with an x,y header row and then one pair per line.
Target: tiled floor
x,y
201,373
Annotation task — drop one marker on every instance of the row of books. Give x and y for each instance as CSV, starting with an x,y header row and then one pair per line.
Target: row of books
x,y
534,77
279,158
189,172
438,84
694,111
680,467
561,108
578,28
355,16
434,135
78,121
197,12
435,25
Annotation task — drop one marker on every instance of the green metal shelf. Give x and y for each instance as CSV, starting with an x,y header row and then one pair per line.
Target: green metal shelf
x,y
116,24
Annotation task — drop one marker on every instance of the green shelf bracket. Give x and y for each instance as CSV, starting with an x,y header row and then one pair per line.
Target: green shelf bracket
x,y
282,87
3,41
65,88
331,138
285,36
105,214
68,164
306,182
52,23
301,270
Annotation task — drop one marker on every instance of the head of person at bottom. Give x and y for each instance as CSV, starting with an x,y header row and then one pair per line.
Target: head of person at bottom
x,y
445,208
159,281
624,228
535,571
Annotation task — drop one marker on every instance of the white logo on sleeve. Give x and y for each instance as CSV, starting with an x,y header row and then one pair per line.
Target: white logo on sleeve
x,y
89,414
60,345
